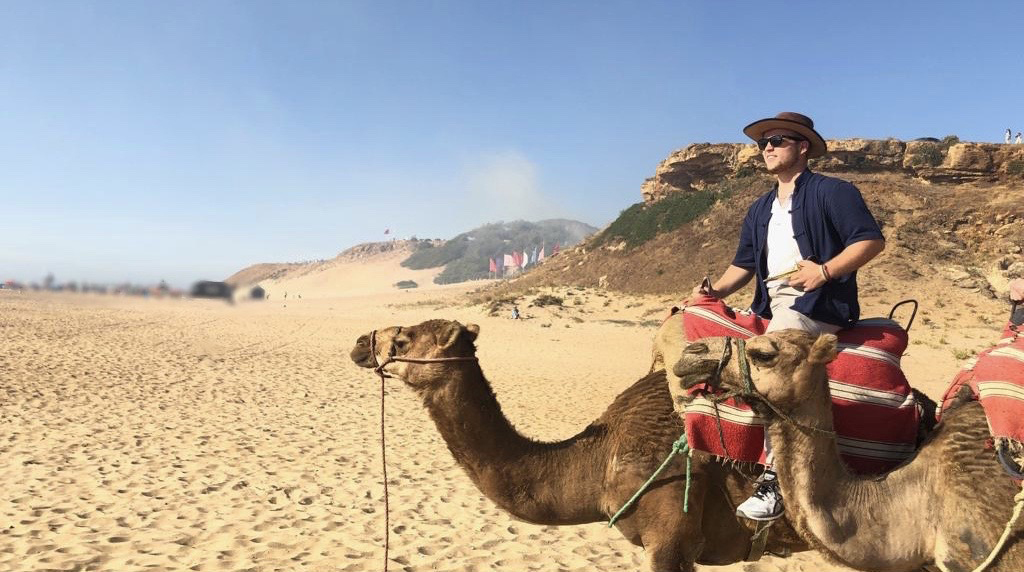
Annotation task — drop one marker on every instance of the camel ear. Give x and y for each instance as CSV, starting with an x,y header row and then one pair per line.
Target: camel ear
x,y
472,330
824,349
450,334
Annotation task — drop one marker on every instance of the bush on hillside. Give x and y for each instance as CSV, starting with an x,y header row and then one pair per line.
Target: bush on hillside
x,y
642,222
429,256
462,269
467,256
546,300
403,284
930,155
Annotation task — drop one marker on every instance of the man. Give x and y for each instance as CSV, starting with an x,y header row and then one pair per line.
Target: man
x,y
804,242
1016,297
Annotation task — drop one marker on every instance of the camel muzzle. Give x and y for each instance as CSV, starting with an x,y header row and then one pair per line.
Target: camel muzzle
x,y
361,354
692,373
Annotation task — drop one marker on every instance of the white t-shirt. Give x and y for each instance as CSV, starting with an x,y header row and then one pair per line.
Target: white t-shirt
x,y
782,250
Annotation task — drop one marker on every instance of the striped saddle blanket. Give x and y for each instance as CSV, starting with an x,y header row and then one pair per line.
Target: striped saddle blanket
x,y
875,413
996,378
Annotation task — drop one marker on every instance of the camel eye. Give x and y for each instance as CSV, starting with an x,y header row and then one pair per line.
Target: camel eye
x,y
401,343
761,356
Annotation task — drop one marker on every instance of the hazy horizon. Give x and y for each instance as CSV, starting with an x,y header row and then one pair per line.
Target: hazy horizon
x,y
148,141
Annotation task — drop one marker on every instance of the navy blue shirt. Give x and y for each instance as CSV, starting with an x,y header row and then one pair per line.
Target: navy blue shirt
x,y
828,215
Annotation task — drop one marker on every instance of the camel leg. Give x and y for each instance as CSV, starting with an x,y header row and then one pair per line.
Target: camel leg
x,y
672,539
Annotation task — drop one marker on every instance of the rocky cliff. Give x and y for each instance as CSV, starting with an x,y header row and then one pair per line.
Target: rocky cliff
x,y
952,214
948,161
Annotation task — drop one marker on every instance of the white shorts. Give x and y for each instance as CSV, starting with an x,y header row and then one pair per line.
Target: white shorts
x,y
785,317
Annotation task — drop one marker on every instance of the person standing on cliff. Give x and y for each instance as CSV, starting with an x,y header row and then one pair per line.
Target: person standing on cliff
x,y
1018,139
1008,135
804,241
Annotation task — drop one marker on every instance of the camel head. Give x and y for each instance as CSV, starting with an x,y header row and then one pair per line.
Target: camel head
x,y
417,354
786,367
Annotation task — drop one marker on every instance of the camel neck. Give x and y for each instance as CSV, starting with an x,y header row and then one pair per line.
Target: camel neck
x,y
549,484
855,520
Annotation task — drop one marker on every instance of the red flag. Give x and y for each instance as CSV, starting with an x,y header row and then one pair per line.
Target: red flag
x,y
494,267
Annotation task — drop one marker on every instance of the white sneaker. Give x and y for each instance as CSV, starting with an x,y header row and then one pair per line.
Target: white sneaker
x,y
765,503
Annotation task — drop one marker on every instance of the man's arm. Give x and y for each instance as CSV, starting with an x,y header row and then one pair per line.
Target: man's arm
x,y
811,277
732,280
1017,290
1017,296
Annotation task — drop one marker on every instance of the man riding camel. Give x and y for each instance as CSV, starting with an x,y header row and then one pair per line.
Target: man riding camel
x,y
804,241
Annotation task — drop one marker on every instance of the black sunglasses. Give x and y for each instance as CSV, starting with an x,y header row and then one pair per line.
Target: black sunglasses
x,y
776,140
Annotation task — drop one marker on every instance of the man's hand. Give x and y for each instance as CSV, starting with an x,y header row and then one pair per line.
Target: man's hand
x,y
808,278
701,290
1017,290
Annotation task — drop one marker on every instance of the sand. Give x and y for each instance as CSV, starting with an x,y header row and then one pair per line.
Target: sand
x,y
145,434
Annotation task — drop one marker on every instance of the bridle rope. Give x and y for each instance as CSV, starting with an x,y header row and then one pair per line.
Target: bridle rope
x,y
748,392
383,448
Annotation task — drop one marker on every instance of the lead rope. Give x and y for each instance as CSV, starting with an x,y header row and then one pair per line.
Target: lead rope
x,y
384,465
1019,500
681,446
383,447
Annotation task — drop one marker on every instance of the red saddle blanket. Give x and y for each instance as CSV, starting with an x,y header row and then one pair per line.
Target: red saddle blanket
x,y
996,378
875,413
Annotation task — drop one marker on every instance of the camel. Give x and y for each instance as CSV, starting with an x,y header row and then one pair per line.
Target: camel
x,y
669,341
585,478
946,506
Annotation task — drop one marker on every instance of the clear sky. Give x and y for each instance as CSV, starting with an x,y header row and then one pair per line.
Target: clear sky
x,y
186,140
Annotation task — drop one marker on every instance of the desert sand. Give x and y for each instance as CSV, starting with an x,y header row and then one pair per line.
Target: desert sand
x,y
170,434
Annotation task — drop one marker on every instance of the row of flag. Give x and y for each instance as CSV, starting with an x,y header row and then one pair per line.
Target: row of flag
x,y
505,264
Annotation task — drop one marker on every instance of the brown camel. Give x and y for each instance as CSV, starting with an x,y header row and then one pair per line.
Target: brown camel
x,y
947,506
669,342
587,477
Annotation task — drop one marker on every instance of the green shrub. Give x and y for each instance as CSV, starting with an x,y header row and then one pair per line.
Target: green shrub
x,y
1015,167
642,222
406,284
547,300
930,155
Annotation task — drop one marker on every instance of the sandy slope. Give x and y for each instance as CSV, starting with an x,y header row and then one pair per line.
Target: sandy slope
x,y
351,277
193,435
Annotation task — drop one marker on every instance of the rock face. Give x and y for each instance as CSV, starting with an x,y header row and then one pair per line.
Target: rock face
x,y
702,164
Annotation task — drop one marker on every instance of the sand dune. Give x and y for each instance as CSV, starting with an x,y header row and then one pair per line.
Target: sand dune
x,y
193,435
351,276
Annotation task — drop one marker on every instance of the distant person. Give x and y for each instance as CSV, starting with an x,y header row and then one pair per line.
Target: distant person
x,y
803,242
1008,135
515,312
1018,139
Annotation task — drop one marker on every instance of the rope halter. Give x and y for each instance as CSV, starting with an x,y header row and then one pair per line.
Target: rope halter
x,y
749,392
392,357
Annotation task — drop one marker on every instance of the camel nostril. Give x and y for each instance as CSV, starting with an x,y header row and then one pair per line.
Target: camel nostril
x,y
696,348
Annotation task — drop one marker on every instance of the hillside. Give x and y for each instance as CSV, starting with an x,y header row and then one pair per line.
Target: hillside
x,y
952,213
466,256
364,269
425,262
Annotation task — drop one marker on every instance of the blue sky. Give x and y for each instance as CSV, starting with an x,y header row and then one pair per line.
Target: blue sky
x,y
186,140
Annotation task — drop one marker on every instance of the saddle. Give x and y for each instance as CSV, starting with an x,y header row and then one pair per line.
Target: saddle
x,y
995,377
876,413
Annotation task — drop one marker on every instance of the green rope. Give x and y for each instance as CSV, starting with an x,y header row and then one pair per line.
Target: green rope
x,y
680,446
